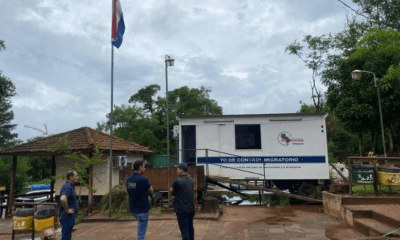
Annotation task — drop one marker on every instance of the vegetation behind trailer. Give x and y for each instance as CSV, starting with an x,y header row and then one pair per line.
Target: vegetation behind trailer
x,y
291,147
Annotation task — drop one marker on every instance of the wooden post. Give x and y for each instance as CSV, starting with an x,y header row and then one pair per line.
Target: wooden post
x,y
90,193
350,178
12,185
53,174
376,179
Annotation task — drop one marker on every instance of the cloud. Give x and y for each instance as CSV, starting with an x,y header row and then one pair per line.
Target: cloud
x,y
59,54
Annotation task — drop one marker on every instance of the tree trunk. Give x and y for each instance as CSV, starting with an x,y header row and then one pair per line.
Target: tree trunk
x,y
374,137
361,143
390,141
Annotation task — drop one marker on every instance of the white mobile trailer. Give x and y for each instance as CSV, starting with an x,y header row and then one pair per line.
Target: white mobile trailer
x,y
292,148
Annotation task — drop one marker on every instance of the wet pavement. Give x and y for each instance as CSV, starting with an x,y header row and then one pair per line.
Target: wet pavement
x,y
237,222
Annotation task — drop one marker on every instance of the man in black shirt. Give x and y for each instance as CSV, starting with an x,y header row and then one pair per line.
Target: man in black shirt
x,y
138,188
184,204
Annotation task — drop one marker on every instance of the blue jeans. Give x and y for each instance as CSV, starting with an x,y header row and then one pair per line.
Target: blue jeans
x,y
142,220
67,226
185,221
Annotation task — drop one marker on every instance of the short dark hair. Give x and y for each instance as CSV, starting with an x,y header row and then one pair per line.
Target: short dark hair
x,y
137,165
71,174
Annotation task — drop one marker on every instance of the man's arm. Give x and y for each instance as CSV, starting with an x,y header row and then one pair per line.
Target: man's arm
x,y
150,191
175,187
64,202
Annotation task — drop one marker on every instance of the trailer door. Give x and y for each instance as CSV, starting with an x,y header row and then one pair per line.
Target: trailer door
x,y
189,142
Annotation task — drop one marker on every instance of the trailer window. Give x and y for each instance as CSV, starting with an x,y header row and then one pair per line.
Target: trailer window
x,y
248,136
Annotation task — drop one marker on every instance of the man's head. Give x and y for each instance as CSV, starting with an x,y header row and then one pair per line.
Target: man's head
x,y
182,169
73,177
138,166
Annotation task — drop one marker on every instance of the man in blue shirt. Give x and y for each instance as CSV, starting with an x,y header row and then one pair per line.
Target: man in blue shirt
x,y
184,204
69,205
138,188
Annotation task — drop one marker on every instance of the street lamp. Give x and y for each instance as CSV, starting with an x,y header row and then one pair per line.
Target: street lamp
x,y
356,75
168,62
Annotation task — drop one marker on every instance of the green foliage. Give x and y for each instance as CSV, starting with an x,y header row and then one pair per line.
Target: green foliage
x,y
147,125
314,59
306,108
39,169
157,211
145,96
2,45
381,14
119,200
7,91
21,177
368,190
81,162
79,219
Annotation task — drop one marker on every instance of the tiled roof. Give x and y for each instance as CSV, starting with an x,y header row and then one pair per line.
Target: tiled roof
x,y
79,139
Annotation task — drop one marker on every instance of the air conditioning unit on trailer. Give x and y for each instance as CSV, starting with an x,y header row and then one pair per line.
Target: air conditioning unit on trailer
x,y
120,161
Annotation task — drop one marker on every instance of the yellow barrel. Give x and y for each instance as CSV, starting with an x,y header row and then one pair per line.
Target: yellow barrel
x,y
41,224
22,223
22,219
389,179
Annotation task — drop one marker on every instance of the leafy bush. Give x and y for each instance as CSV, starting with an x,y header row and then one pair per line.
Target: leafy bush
x,y
119,200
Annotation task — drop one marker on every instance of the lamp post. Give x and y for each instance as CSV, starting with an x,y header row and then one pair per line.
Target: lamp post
x,y
168,62
356,75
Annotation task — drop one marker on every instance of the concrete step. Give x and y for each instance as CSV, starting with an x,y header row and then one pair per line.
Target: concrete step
x,y
386,220
374,228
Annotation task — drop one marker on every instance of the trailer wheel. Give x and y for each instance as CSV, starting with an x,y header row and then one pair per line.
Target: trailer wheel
x,y
308,190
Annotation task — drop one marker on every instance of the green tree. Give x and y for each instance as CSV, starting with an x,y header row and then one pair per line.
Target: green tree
x,y
314,59
21,177
7,91
381,14
379,52
7,138
147,125
145,96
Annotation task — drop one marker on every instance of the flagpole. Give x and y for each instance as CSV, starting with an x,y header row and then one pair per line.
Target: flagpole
x,y
111,126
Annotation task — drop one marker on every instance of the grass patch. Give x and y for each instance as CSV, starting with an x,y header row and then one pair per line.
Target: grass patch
x,y
157,211
79,219
369,190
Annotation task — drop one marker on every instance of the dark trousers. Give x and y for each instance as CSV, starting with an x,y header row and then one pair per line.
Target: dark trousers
x,y
67,226
185,221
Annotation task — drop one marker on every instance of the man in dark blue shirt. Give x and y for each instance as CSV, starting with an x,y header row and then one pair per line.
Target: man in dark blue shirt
x,y
184,204
138,188
69,205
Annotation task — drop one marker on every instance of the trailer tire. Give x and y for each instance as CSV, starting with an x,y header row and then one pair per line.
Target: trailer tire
x,y
307,190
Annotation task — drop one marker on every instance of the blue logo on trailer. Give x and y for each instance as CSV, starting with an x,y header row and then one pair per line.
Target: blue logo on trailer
x,y
263,159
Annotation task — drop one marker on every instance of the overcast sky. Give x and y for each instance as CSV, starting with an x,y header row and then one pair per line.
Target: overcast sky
x,y
59,54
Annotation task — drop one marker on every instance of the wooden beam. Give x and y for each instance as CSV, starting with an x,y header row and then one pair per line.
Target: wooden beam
x,y
12,184
53,174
